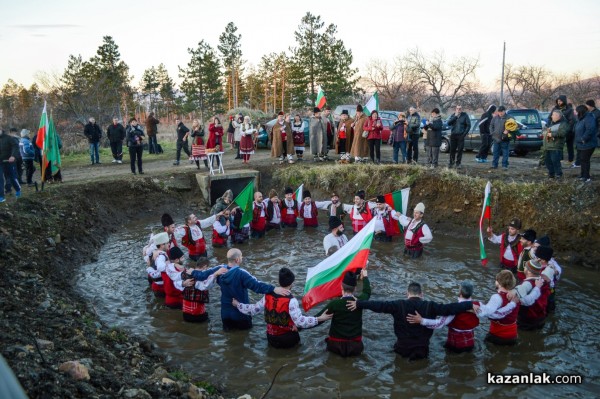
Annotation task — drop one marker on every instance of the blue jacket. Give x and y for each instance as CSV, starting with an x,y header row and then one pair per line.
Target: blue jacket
x,y
235,284
586,132
26,148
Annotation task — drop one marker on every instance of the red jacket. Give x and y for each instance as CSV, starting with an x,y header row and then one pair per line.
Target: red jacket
x,y
213,133
373,129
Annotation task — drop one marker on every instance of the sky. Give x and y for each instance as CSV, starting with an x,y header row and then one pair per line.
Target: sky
x,y
38,36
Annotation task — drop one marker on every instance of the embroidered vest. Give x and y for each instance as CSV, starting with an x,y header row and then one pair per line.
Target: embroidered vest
x,y
277,314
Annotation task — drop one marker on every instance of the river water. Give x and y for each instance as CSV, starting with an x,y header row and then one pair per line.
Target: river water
x,y
568,344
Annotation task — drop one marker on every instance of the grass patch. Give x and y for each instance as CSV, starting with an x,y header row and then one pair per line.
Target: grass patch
x,y
207,386
82,158
113,335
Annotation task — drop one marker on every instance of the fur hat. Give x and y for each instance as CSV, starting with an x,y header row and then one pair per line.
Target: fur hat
x,y
288,190
544,253
360,193
380,199
420,207
543,240
359,108
286,277
175,253
166,220
334,222
529,235
306,194
24,133
344,112
160,238
516,223
316,110
349,279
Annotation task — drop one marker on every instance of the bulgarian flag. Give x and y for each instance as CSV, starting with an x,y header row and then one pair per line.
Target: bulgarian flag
x,y
398,200
51,150
321,99
298,194
40,141
486,213
372,105
324,281
244,200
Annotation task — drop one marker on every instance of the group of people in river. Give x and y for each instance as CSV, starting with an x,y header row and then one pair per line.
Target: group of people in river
x,y
525,286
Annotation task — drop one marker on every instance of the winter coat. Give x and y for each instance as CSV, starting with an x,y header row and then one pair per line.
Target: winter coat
x,y
7,147
559,131
567,111
596,113
497,128
277,141
373,129
434,132
37,151
486,120
134,136
398,132
182,130
92,132
26,149
115,133
213,133
360,145
237,132
414,123
151,128
461,124
586,133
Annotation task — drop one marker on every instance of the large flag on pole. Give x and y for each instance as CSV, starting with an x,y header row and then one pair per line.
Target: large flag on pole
x,y
324,281
40,141
321,99
244,200
486,213
372,104
52,149
398,200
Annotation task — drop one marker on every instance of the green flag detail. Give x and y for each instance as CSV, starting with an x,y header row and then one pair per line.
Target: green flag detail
x,y
52,148
244,200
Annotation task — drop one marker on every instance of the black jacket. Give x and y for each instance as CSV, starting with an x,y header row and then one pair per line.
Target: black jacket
x,y
134,136
8,147
115,133
461,124
596,113
567,111
92,132
181,131
486,119
434,132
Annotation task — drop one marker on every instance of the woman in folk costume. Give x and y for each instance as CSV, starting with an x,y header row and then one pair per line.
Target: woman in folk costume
x,y
298,136
191,235
360,144
247,141
195,293
215,134
289,209
199,152
282,144
344,137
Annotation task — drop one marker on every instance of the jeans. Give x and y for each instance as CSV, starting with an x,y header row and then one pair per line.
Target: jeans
x,y
433,154
584,158
182,145
9,171
151,144
413,148
117,150
375,150
486,142
29,170
457,145
94,152
504,147
399,146
553,158
135,153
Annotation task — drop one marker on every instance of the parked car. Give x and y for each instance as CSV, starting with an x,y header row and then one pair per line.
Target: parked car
x,y
544,115
338,111
528,140
263,138
393,115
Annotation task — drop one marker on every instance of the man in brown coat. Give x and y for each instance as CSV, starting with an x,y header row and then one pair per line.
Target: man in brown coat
x,y
360,145
282,143
151,131
344,137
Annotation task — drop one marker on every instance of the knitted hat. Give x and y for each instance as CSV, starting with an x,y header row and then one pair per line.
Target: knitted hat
x,y
161,238
24,133
543,240
288,190
316,110
175,253
359,108
360,193
344,112
166,220
306,194
529,235
533,266
286,277
349,279
420,207
516,223
334,222
544,253
380,199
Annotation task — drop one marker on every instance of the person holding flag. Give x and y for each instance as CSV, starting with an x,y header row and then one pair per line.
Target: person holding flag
x,y
48,141
385,226
510,244
416,233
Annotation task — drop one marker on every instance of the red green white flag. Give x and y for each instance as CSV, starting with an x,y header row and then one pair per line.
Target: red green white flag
x,y
398,200
324,281
486,213
321,99
43,129
298,194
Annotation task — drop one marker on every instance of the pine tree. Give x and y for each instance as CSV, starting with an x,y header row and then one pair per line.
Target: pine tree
x,y
231,52
149,86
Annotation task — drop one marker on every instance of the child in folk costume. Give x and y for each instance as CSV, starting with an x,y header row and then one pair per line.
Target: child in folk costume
x,y
282,144
386,227
309,209
533,293
510,244
172,275
247,140
527,239
416,232
198,149
258,225
191,235
195,293
360,213
289,208
274,211
551,270
159,263
298,136
344,137
503,326
221,230
282,314
239,234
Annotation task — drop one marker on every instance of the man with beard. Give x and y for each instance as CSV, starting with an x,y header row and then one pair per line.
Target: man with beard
x,y
336,238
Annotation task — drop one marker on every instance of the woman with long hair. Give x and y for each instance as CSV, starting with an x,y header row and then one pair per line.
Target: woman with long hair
x,y
247,140
215,136
198,149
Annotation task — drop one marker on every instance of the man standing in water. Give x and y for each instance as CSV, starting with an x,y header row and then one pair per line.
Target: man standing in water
x,y
417,233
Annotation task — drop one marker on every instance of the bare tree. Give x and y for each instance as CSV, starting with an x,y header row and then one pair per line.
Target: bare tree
x,y
579,89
